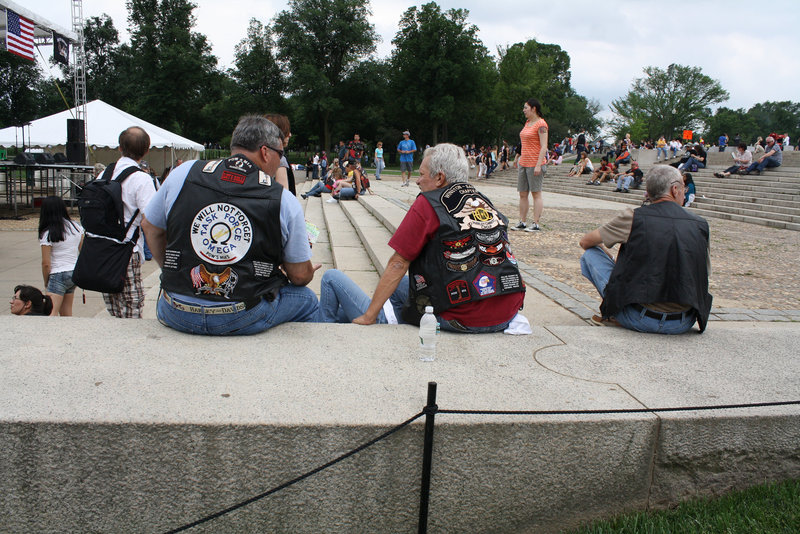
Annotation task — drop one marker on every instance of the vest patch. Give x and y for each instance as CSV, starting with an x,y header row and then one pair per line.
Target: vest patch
x,y
211,166
491,249
510,281
485,283
478,214
208,283
233,177
511,257
238,163
461,267
420,282
450,255
458,243
264,178
488,238
492,260
221,234
458,291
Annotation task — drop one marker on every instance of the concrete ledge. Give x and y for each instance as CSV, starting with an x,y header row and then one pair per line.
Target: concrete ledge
x,y
144,429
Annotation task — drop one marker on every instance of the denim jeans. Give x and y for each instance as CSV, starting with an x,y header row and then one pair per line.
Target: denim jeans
x,y
768,162
624,181
659,151
691,161
596,266
318,189
292,304
379,165
341,301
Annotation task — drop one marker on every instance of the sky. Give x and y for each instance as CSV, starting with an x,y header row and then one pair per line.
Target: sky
x,y
752,52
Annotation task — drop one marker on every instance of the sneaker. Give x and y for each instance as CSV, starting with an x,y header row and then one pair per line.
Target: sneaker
x,y
625,191
757,172
520,226
332,201
533,228
590,182
719,175
304,196
617,190
599,321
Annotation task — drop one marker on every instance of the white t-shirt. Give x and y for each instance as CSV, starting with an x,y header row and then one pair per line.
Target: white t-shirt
x,y
137,190
64,253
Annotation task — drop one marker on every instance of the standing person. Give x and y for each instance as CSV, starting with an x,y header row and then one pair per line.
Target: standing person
x,y
284,175
232,242
315,166
406,149
60,238
379,165
531,164
342,154
356,148
723,142
137,191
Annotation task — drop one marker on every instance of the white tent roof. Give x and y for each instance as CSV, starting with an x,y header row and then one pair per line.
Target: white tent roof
x,y
104,124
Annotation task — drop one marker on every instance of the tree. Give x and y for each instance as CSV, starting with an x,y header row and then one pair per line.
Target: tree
x,y
665,101
101,44
777,117
320,43
440,67
732,122
258,78
19,79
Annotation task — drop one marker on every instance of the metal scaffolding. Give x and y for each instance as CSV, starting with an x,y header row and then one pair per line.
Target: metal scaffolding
x,y
79,66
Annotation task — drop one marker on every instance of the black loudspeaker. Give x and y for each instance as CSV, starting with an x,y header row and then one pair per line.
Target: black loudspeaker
x,y
44,158
75,131
60,157
76,152
25,158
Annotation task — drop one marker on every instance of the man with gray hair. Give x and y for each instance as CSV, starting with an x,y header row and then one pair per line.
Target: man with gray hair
x,y
454,245
659,282
231,241
773,157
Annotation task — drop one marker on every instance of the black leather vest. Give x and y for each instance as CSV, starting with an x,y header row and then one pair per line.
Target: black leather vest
x,y
664,260
468,259
224,233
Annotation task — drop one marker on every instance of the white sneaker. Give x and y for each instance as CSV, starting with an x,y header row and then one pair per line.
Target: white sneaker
x,y
332,201
533,228
520,226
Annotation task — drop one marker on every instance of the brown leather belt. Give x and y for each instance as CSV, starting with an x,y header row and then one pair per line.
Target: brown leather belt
x,y
660,315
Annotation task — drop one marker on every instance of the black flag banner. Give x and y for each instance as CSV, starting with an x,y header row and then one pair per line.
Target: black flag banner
x,y
60,48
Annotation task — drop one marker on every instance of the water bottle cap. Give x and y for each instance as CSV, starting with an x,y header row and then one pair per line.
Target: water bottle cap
x,y
428,309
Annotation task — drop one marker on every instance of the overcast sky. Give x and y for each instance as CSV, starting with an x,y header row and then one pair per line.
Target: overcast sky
x,y
752,50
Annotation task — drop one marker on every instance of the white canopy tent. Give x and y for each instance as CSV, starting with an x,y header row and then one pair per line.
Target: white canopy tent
x,y
104,123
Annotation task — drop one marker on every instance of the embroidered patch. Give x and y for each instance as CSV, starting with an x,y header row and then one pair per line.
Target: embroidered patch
x,y
492,260
511,257
510,281
491,249
172,260
479,214
419,282
239,163
262,269
461,267
488,238
264,178
458,291
233,177
458,243
211,166
208,283
486,284
450,255
221,233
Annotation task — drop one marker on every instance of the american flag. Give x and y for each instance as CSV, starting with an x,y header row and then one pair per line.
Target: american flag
x,y
19,36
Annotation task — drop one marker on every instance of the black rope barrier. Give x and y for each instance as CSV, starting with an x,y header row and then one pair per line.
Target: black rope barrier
x,y
299,478
430,410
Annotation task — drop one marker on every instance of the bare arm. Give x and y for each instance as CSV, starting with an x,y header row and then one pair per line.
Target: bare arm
x,y
282,177
591,239
46,262
543,144
300,274
156,240
392,275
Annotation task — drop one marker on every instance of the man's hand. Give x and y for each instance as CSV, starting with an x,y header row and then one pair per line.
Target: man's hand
x,y
365,320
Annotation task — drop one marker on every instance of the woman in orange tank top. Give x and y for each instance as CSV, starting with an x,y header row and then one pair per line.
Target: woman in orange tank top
x,y
532,166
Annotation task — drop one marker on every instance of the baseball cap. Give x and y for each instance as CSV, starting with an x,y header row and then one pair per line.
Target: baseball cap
x,y
406,132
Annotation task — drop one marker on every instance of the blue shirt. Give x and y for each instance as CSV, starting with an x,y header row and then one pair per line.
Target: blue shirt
x,y
407,144
293,225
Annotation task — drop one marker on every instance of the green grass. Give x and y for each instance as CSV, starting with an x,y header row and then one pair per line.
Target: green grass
x,y
766,509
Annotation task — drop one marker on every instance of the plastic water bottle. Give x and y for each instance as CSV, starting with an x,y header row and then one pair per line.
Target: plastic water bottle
x,y
428,328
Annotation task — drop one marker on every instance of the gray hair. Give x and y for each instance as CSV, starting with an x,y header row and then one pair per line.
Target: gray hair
x,y
255,131
659,180
448,159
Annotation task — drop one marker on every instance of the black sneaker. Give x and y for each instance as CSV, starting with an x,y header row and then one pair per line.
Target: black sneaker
x,y
533,228
617,190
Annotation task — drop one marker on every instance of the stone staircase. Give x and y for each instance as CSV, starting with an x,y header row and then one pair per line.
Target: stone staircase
x,y
772,199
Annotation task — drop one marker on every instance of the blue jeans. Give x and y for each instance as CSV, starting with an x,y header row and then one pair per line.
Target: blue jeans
x,y
659,151
691,161
596,266
624,181
768,162
345,193
314,172
341,301
378,168
623,160
318,189
292,304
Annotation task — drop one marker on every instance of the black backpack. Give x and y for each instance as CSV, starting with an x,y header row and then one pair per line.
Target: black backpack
x,y
100,205
103,260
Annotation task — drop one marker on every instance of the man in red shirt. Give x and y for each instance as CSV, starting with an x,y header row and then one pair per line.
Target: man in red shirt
x,y
454,244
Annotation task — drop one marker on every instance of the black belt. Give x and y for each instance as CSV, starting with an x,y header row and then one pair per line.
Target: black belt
x,y
660,315
212,309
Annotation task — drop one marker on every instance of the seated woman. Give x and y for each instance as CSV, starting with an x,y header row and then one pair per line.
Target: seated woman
x,y
741,160
325,185
554,158
349,187
584,166
689,190
28,300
